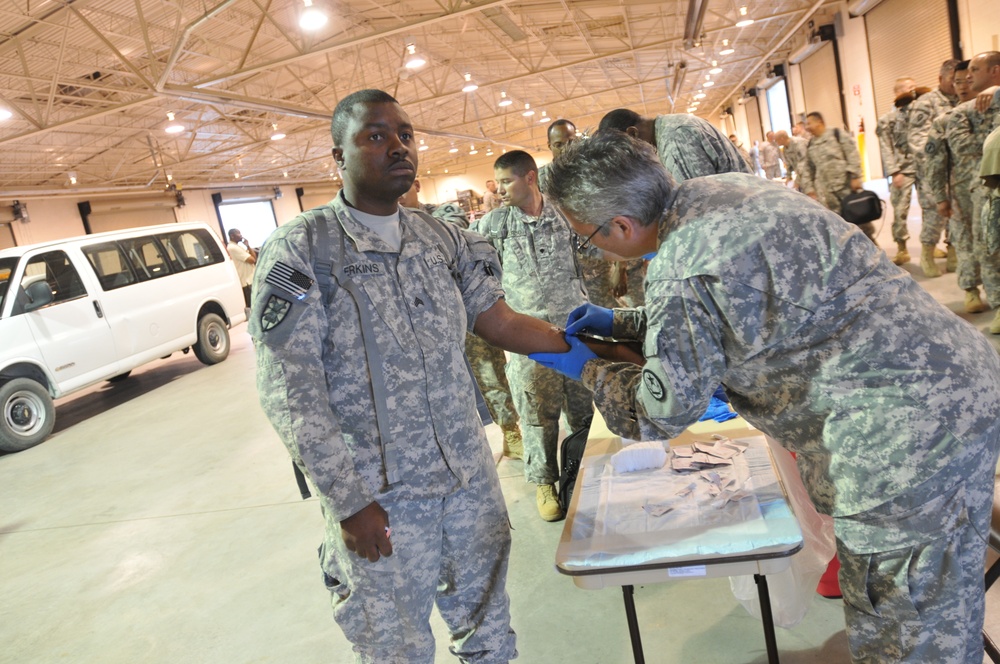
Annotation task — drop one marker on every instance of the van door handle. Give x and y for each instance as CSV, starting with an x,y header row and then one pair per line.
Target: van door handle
x,y
97,309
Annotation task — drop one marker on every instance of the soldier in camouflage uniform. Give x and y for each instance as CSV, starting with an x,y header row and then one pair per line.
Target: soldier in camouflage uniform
x,y
950,187
822,343
359,318
793,150
966,132
542,278
832,168
921,114
487,361
688,146
598,275
897,164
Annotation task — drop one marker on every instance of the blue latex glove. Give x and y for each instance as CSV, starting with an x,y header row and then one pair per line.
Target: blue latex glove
x,y
718,410
591,319
720,394
569,363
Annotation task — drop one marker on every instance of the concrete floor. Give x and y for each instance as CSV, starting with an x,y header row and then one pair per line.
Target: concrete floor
x,y
161,524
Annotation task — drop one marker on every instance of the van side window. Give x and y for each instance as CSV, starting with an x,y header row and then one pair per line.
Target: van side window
x,y
190,249
54,268
109,264
146,257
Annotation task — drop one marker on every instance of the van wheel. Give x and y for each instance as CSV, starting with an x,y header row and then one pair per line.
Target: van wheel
x,y
28,414
119,378
212,346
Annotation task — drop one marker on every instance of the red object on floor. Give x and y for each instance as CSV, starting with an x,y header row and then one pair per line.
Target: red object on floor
x,y
829,586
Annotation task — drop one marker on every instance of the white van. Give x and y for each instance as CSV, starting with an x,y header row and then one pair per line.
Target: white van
x,y
78,311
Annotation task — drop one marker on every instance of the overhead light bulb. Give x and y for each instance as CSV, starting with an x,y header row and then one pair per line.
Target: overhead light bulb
x,y
72,177
744,22
527,111
413,61
312,18
716,69
173,127
453,149
284,174
489,152
236,176
470,85
473,150
692,109
5,114
726,48
708,84
422,146
170,177
700,95
504,99
544,118
277,135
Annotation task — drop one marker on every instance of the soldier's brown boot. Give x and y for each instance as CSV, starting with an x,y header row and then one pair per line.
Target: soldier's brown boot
x,y
939,253
995,325
548,503
927,261
902,255
973,303
513,444
951,263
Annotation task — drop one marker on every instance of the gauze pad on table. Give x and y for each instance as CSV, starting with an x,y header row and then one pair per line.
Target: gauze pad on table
x,y
639,456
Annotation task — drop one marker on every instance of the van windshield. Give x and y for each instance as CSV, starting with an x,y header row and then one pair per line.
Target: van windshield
x,y
7,266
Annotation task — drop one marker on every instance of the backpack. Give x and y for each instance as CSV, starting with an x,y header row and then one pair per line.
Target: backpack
x,y
860,207
570,458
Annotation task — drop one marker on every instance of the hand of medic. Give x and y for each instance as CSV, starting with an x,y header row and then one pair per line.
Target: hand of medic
x,y
569,363
590,319
366,533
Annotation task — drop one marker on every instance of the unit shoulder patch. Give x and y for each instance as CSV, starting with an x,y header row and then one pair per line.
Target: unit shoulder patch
x,y
275,311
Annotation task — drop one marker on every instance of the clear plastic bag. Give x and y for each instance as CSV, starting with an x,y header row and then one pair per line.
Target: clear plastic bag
x,y
792,590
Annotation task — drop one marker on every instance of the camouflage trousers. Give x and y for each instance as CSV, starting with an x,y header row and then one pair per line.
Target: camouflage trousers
x,y
540,394
452,553
597,279
964,236
989,261
488,369
912,570
932,224
900,198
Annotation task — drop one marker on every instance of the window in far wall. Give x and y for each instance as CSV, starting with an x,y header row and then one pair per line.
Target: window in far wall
x,y
255,220
777,107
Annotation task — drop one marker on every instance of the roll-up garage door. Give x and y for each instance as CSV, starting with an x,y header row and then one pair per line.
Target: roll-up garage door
x,y
906,38
6,237
819,85
312,197
115,214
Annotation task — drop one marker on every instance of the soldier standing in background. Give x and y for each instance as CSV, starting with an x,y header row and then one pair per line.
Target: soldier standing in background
x,y
921,114
490,199
770,157
897,164
950,182
967,131
832,167
793,150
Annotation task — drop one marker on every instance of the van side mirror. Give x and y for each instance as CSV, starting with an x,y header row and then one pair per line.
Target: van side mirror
x,y
39,294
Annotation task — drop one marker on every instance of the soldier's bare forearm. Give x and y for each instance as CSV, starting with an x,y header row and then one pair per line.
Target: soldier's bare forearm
x,y
615,351
504,328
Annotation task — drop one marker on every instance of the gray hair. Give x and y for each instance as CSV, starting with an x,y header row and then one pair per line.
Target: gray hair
x,y
609,175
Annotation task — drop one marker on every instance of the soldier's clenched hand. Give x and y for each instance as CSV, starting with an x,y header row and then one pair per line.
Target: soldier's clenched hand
x,y
366,533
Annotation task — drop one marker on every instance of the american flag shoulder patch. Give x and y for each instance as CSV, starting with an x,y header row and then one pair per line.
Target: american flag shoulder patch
x,y
289,280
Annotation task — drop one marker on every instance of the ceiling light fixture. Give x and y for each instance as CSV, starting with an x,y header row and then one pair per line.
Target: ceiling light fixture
x,y
527,111
489,152
72,177
5,114
423,146
277,135
236,176
453,149
744,20
716,69
173,127
545,117
700,95
692,109
284,174
473,150
504,99
470,85
726,48
312,18
413,60
708,84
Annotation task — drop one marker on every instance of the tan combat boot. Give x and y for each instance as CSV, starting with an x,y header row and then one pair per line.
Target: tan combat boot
x,y
902,255
927,261
513,445
951,263
939,253
548,503
995,325
973,303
